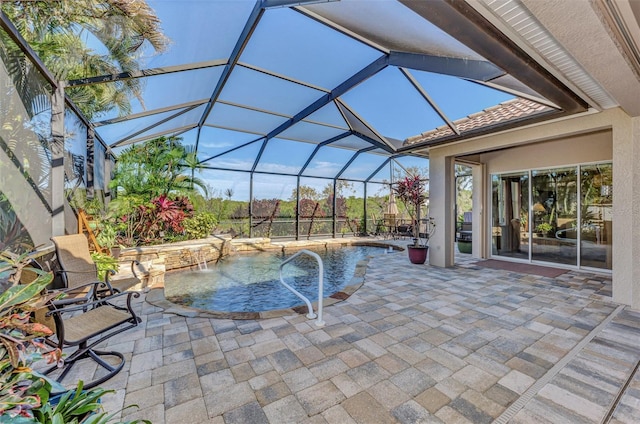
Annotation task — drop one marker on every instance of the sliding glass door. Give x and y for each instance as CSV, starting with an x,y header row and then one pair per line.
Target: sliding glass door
x,y
558,215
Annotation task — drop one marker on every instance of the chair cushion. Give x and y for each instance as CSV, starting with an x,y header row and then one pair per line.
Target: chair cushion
x,y
91,323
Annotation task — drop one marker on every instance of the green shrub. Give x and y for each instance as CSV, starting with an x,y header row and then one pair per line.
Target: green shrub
x,y
105,263
200,225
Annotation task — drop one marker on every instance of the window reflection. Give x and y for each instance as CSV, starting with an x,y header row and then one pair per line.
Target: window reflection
x,y
510,228
554,226
596,214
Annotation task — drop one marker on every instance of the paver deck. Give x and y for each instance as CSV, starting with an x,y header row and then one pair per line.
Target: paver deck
x,y
415,344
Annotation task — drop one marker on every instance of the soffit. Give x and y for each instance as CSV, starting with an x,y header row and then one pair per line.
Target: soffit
x,y
574,40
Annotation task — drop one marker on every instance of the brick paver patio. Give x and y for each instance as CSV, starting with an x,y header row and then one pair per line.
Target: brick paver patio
x,y
415,344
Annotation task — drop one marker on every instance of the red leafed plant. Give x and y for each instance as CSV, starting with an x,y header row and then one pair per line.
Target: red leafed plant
x,y
412,192
171,213
162,216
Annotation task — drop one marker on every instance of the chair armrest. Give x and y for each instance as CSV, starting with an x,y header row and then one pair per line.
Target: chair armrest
x,y
97,303
79,286
135,263
72,300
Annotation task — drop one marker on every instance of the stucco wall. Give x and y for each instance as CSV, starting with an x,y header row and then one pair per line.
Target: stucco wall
x,y
596,147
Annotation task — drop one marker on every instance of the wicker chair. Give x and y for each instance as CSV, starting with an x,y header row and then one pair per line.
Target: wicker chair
x,y
86,325
78,271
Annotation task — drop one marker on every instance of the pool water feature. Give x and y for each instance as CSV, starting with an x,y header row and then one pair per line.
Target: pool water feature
x,y
251,282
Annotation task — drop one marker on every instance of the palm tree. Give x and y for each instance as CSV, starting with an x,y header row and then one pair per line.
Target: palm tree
x,y
157,168
58,31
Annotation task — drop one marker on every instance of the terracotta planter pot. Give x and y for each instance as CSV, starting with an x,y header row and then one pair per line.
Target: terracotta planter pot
x,y
115,252
417,254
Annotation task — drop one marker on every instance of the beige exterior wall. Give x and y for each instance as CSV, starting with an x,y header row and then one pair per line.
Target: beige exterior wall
x,y
610,135
596,147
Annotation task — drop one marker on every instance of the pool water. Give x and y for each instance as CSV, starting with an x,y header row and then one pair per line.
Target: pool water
x,y
251,282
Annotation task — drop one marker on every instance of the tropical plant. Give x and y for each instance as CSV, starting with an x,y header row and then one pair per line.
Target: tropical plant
x,y
78,406
161,166
412,192
25,394
21,388
105,263
151,222
57,31
200,225
107,234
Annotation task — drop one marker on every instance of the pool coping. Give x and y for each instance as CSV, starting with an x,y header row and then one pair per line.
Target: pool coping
x,y
155,295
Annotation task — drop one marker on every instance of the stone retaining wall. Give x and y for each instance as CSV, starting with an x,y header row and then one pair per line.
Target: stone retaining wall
x,y
154,261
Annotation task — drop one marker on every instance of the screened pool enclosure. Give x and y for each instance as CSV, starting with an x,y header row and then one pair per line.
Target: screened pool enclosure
x,y
301,112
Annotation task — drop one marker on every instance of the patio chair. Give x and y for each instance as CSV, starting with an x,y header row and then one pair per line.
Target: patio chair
x,y
405,229
78,271
84,326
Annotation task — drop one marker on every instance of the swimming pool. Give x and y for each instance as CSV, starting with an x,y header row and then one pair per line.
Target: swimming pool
x,y
251,282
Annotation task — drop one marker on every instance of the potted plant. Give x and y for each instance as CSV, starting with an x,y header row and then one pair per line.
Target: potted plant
x,y
544,229
412,192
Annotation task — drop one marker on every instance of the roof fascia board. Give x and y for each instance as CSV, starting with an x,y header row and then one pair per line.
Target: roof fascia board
x,y
468,26
492,129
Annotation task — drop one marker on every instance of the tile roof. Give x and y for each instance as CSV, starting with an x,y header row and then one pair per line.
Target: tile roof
x,y
517,108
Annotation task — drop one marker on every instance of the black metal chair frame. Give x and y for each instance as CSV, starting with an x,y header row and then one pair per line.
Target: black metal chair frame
x,y
107,320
